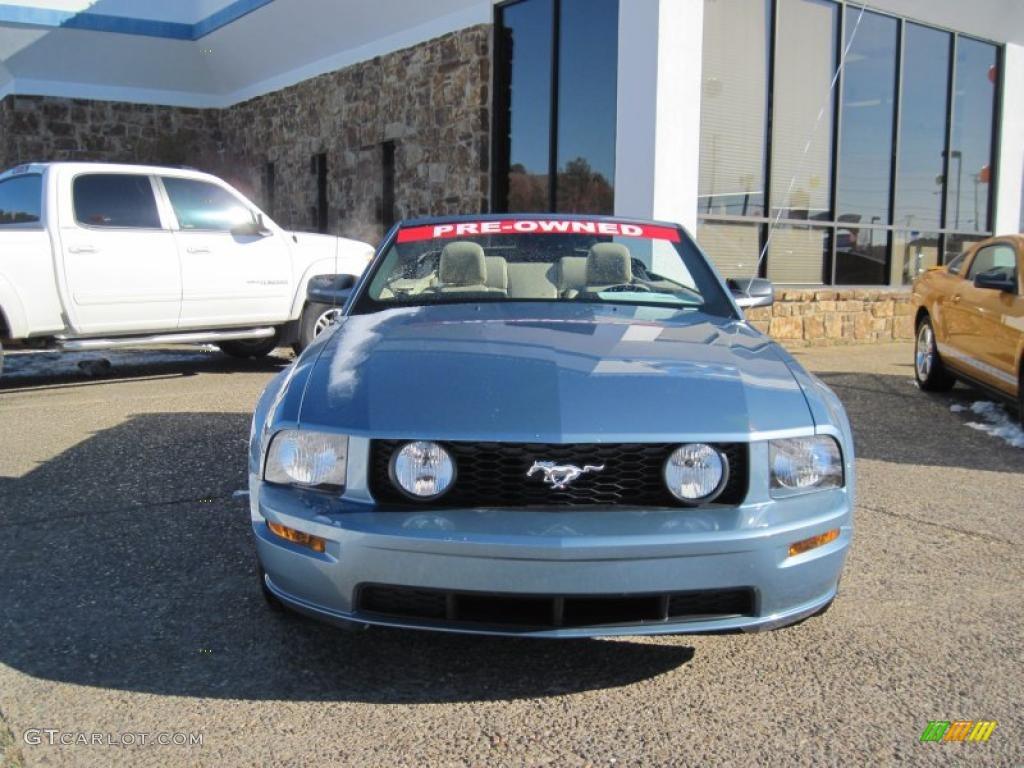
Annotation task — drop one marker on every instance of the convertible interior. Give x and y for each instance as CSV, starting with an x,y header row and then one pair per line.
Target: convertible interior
x,y
465,268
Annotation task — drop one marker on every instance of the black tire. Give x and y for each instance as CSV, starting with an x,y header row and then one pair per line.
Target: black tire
x,y
315,319
929,370
1020,392
1,359
246,348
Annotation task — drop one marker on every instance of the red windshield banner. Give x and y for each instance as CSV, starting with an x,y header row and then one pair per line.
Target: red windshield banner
x,y
536,227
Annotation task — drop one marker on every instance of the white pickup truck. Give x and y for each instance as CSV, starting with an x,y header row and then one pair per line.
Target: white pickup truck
x,y
96,255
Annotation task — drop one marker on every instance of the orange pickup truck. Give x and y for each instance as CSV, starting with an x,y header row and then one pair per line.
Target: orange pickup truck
x,y
970,321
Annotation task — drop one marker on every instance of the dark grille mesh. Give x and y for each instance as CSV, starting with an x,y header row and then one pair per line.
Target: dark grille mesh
x,y
549,611
494,474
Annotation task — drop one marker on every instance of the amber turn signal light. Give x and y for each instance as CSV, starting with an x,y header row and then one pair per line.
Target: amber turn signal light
x,y
298,537
805,545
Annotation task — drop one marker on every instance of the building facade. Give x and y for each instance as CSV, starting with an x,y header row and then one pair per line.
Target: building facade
x,y
836,148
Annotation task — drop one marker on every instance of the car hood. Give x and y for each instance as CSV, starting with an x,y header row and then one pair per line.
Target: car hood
x,y
551,372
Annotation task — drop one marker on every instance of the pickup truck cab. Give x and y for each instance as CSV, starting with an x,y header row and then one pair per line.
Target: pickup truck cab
x,y
97,255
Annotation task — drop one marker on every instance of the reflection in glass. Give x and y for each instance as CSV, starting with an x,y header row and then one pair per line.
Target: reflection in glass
x,y
796,254
861,256
913,253
957,244
805,59
734,95
526,45
732,248
869,92
587,77
922,127
971,156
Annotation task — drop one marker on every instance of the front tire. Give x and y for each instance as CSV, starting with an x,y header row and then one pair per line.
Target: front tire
x,y
1020,393
248,348
929,370
316,318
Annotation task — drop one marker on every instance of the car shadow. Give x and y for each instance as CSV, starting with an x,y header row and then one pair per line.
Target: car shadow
x,y
52,370
128,564
895,421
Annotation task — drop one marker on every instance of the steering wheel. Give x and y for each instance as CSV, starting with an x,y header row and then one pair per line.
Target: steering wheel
x,y
625,288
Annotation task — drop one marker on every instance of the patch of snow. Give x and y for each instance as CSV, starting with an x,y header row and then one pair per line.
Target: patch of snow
x,y
50,363
997,423
239,494
957,408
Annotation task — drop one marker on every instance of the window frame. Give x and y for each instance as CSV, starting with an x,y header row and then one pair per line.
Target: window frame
x,y
103,228
39,223
969,274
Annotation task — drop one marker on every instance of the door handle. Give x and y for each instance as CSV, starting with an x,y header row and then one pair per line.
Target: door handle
x,y
82,249
197,249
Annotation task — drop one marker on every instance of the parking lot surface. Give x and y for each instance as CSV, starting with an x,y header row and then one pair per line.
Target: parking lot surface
x,y
129,605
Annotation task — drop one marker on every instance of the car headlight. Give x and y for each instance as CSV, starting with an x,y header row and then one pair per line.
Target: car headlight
x,y
801,464
696,472
308,459
422,470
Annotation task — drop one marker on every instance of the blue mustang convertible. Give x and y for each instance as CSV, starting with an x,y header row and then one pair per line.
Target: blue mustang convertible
x,y
551,426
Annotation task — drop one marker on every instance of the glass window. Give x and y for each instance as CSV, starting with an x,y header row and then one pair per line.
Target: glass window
x,y
970,159
21,199
861,256
958,243
868,108
545,260
913,252
733,248
924,101
115,200
526,31
805,59
587,76
999,257
201,205
956,264
796,254
734,108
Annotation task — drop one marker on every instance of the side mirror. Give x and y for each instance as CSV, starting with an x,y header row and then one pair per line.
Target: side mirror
x,y
330,289
996,281
751,291
254,228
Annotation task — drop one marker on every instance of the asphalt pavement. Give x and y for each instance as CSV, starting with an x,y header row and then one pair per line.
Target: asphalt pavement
x,y
129,606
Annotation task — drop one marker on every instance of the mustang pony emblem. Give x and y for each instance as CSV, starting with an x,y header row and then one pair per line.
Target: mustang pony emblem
x,y
558,476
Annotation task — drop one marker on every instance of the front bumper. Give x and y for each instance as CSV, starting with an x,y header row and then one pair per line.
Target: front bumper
x,y
555,552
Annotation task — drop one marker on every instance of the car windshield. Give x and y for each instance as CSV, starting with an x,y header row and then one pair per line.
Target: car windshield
x,y
576,260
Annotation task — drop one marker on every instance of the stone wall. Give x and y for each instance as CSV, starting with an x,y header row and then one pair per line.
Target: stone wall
x,y
836,316
431,100
43,128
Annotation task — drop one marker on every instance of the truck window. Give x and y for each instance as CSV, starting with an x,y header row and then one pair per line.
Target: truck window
x,y
115,200
201,205
21,199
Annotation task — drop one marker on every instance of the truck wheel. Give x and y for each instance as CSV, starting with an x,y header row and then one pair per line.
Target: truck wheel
x,y
1,359
1020,391
316,318
929,370
246,348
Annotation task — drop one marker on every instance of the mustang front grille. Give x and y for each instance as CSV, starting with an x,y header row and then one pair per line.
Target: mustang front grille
x,y
495,475
550,611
